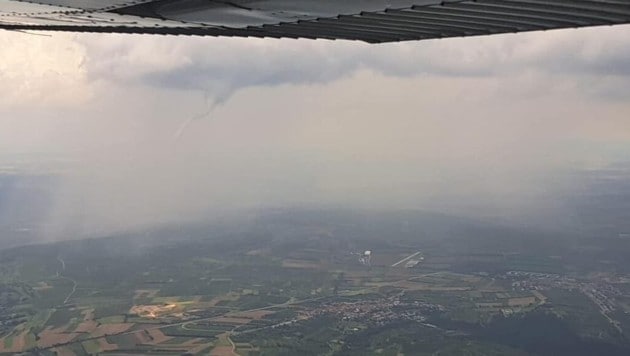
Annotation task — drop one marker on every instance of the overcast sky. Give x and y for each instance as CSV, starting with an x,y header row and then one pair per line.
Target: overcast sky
x,y
161,129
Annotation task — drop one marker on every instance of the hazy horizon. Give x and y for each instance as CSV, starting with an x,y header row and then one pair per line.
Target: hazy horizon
x,y
140,131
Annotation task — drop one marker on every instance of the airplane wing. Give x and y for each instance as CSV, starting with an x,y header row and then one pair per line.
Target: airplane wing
x,y
372,21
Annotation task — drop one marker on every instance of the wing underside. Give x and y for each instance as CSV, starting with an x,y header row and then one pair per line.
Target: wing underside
x,y
372,21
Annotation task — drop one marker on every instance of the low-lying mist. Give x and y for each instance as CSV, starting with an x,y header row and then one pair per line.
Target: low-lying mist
x,y
516,163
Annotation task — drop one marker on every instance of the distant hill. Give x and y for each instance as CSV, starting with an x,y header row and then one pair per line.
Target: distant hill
x,y
25,202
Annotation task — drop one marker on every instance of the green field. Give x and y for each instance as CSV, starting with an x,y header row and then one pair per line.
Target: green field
x,y
91,347
8,342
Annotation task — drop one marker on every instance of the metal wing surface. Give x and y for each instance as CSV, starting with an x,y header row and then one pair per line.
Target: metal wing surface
x,y
373,21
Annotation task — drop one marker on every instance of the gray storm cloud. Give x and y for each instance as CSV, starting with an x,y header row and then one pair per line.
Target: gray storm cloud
x,y
224,66
479,126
